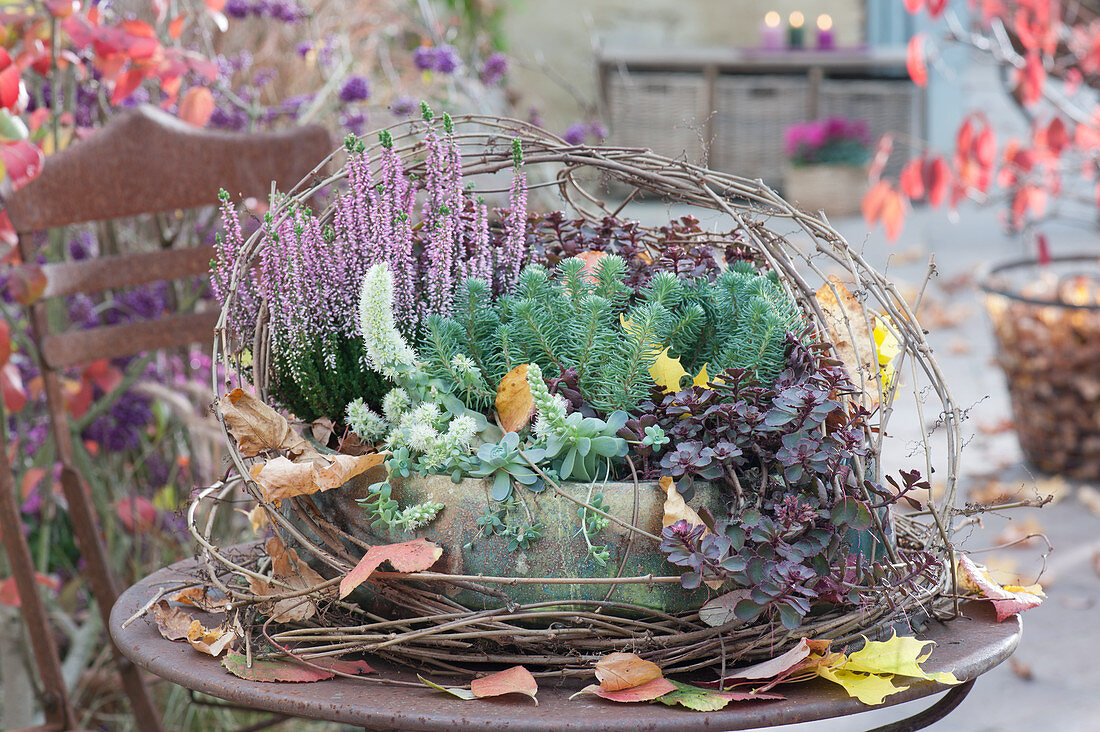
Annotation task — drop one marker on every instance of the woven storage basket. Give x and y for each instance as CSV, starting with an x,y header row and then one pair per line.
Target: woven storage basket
x,y
564,637
887,105
752,112
662,112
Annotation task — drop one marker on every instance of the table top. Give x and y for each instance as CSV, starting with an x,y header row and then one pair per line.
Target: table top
x,y
968,646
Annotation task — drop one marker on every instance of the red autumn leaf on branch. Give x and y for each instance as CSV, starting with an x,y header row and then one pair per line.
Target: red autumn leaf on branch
x,y
5,341
11,386
408,556
914,6
911,180
936,8
1030,79
196,106
137,514
915,62
937,179
9,593
883,149
26,283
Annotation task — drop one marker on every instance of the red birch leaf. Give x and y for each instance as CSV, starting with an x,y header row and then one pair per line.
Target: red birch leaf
x,y
1030,79
9,239
5,341
1007,601
126,85
1071,81
408,556
618,671
646,692
915,62
516,680
11,88
872,202
175,27
914,6
1057,136
936,8
937,176
11,385
1043,248
23,162
893,214
196,106
911,179
883,148
287,670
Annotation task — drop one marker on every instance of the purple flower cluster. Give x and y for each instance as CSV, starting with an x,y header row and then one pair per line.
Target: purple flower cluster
x,y
355,89
809,141
494,69
309,273
580,132
285,11
443,59
404,106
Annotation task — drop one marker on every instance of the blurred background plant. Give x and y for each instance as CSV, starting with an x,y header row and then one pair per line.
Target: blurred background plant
x,y
144,437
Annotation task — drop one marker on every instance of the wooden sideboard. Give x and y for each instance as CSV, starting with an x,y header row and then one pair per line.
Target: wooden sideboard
x,y
729,107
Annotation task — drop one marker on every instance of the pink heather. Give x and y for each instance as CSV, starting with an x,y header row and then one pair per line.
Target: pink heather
x,y
309,273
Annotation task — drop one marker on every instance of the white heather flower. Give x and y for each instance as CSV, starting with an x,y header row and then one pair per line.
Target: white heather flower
x,y
419,515
384,346
424,413
395,404
365,422
551,407
461,431
422,436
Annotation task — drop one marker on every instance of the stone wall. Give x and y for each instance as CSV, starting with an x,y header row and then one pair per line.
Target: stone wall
x,y
560,36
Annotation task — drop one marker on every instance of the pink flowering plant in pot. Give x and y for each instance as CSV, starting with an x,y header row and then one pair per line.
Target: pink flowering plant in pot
x,y
826,163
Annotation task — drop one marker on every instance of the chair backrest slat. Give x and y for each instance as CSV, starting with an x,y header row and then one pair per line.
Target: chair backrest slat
x,y
125,271
75,347
147,161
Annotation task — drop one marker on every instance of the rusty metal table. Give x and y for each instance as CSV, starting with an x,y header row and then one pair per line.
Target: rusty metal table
x,y
968,646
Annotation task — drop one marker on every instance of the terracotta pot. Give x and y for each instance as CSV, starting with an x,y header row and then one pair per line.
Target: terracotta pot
x,y
1046,319
835,189
560,553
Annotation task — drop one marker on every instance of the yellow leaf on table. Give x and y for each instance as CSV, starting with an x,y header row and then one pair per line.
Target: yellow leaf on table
x,y
667,372
515,405
900,655
868,688
676,508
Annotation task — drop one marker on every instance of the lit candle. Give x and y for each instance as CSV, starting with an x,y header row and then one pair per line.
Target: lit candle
x,y
795,31
825,40
771,37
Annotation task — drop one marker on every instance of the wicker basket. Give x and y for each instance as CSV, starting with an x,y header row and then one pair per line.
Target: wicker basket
x,y
752,112
662,112
888,106
564,638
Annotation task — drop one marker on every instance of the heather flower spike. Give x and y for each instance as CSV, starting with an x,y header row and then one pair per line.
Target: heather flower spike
x,y
517,153
426,112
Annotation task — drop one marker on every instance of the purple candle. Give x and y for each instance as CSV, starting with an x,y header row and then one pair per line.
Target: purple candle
x,y
825,40
771,36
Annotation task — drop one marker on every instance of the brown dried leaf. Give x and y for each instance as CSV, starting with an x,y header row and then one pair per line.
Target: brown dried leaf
x,y
281,478
515,405
847,322
172,622
516,680
200,598
292,571
258,427
211,641
619,671
676,508
285,669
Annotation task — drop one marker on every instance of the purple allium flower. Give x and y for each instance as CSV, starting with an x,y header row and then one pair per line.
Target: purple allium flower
x,y
404,106
494,69
446,59
355,121
303,48
597,130
238,8
424,58
355,89
575,133
83,246
121,427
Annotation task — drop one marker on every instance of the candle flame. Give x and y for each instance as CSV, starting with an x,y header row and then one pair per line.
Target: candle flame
x,y
797,19
824,22
772,19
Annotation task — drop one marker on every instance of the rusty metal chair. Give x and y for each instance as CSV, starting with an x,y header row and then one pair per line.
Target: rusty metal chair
x,y
145,161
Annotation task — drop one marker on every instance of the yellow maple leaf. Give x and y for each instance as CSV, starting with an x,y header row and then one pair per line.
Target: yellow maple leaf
x,y
703,379
887,349
667,372
871,673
